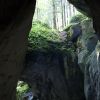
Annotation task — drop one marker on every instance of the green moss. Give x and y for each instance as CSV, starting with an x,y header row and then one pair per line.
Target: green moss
x,y
74,22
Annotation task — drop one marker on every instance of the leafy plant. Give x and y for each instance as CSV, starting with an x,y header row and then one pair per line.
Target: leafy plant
x,y
77,18
43,38
40,36
22,88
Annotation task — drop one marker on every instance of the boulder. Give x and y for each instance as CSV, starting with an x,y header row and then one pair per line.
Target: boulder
x,y
89,38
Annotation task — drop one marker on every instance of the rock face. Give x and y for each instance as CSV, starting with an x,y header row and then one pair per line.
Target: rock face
x,y
89,61
77,31
91,71
82,6
95,13
54,76
15,23
91,9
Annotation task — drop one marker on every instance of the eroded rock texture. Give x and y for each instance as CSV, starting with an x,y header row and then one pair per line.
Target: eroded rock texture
x,y
54,76
89,57
15,23
89,61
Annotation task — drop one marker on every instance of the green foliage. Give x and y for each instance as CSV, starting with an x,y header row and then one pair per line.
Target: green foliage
x,y
41,35
69,33
75,21
43,38
77,18
22,88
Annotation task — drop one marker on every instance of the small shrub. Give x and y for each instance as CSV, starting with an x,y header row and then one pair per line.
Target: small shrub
x,y
22,88
43,38
77,18
40,36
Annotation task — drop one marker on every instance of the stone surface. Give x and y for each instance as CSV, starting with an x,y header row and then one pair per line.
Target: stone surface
x,y
76,32
54,75
92,75
89,61
89,38
82,6
15,24
91,9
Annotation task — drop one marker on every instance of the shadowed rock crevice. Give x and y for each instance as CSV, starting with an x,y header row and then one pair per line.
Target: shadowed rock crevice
x,y
55,75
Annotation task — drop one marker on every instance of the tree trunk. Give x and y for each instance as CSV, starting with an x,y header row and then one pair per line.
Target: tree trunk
x,y
54,14
13,41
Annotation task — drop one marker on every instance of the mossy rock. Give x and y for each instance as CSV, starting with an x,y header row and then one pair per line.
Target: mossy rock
x,y
43,38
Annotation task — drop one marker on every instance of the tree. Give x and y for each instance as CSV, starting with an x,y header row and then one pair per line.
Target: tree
x,y
54,13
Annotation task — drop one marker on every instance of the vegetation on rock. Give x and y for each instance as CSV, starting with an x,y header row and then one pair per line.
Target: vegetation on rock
x,y
22,88
41,35
43,38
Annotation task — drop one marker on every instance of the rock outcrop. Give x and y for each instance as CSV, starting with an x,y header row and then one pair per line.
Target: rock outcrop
x,y
89,57
54,76
89,61
91,9
88,50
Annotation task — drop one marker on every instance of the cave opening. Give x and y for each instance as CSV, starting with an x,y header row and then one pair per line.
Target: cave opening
x,y
51,62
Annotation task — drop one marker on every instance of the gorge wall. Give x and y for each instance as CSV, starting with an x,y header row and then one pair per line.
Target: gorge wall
x,y
54,76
